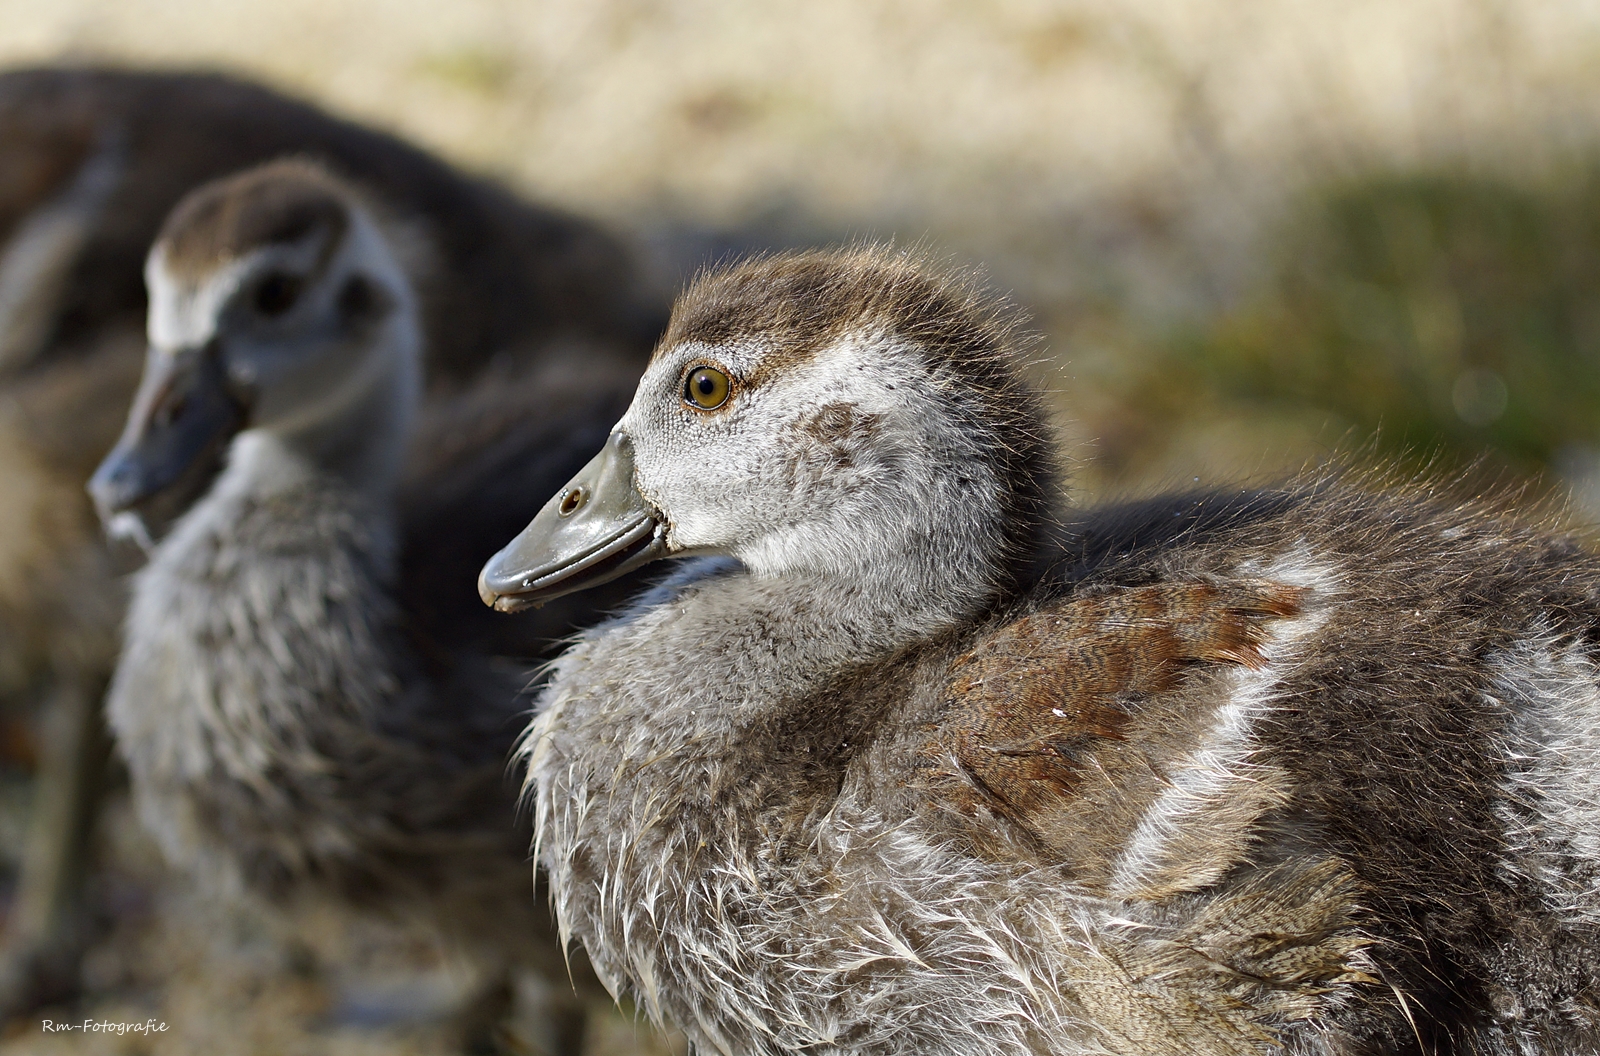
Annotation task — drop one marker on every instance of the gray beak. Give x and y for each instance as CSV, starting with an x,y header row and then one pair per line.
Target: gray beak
x,y
182,418
596,528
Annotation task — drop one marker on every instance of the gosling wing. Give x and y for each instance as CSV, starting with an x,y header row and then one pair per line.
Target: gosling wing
x,y
1060,728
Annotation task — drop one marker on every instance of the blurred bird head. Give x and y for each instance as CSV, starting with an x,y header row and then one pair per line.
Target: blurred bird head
x,y
276,304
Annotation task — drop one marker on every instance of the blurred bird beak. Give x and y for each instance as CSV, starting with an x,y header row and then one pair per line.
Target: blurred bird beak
x,y
595,529
183,416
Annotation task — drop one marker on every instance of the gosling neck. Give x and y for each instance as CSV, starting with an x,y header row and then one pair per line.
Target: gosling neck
x,y
923,582
936,553
358,432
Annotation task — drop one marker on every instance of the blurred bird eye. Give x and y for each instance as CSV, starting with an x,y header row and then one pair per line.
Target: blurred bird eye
x,y
171,410
357,299
276,293
706,388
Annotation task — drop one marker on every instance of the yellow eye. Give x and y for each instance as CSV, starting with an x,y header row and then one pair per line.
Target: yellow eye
x,y
705,389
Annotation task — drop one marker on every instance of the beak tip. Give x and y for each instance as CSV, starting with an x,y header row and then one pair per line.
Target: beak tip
x,y
488,594
500,597
105,489
572,546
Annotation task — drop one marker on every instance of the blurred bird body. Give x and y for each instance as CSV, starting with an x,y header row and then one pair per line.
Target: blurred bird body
x,y
909,764
296,725
92,162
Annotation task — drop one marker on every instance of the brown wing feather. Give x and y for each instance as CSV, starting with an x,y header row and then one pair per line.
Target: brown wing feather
x,y
1046,704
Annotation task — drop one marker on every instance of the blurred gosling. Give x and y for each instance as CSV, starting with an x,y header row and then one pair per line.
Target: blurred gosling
x,y
294,724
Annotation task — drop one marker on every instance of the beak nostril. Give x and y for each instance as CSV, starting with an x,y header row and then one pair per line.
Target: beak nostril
x,y
572,501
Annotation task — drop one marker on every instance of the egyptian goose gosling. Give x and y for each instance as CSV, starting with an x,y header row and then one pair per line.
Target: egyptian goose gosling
x,y
295,723
909,763
91,162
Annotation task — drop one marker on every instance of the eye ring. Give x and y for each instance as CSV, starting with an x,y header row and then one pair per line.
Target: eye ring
x,y
705,388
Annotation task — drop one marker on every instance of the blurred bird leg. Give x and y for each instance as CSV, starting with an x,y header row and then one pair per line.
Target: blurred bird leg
x,y
46,929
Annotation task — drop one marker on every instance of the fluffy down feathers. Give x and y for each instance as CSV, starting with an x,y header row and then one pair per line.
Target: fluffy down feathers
x,y
1305,770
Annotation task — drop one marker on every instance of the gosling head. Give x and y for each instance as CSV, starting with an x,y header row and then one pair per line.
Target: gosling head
x,y
275,304
853,414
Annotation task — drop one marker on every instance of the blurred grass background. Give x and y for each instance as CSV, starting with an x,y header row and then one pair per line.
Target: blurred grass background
x,y
1252,233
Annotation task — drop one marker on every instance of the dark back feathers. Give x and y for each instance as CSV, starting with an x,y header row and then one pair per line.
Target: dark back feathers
x,y
508,273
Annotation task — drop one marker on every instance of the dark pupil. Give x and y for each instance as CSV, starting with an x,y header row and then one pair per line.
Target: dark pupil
x,y
705,384
356,298
276,294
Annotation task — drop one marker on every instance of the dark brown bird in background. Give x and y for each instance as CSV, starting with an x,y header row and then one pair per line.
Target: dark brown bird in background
x,y
91,162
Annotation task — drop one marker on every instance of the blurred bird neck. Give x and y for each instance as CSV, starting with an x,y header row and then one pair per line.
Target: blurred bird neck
x,y
358,434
